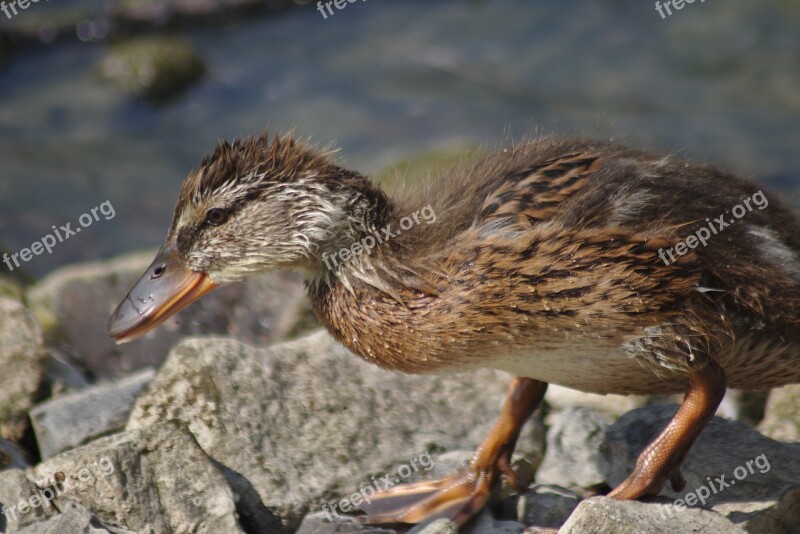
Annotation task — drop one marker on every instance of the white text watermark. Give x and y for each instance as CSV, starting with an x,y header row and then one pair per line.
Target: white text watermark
x,y
58,485
702,235
669,5
712,487
59,235
11,9
365,494
382,235
326,8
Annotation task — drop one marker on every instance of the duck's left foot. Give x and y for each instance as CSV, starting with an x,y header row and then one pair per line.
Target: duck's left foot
x,y
661,460
460,496
457,497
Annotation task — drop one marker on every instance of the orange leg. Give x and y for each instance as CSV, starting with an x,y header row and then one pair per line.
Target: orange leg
x,y
661,459
461,495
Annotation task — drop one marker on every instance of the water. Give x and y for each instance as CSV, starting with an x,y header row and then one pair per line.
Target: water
x,y
716,82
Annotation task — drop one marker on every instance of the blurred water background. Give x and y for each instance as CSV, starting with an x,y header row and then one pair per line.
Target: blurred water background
x,y
717,82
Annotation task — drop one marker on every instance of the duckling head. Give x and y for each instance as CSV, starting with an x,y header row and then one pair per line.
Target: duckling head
x,y
252,206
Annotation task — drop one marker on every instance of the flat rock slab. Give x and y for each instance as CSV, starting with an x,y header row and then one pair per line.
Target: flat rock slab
x,y
602,515
546,506
74,304
71,420
486,524
440,526
306,423
320,523
73,519
22,364
15,489
752,480
156,480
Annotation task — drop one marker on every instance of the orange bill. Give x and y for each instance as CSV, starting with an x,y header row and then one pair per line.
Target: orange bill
x,y
166,287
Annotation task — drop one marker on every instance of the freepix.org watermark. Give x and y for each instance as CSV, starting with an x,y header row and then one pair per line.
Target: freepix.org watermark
x,y
59,235
57,486
10,9
326,8
700,495
665,9
365,494
379,237
703,234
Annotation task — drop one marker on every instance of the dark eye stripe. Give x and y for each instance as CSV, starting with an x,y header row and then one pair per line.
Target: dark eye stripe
x,y
186,237
190,233
242,201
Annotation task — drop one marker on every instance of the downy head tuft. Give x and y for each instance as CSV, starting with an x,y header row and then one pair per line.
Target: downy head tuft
x,y
260,204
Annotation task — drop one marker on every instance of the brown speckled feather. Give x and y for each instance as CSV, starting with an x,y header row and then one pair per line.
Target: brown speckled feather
x,y
552,260
543,260
557,264
535,194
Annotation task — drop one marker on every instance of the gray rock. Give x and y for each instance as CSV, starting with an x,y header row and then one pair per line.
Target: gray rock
x,y
304,422
320,523
15,490
156,68
11,456
440,526
782,414
744,406
156,480
74,303
573,442
486,524
73,518
451,462
562,398
752,480
546,506
10,287
22,360
62,375
601,515
71,420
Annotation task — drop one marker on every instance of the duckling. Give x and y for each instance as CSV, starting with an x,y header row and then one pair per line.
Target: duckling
x,y
562,261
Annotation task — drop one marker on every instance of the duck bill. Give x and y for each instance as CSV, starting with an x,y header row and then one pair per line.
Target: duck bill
x,y
166,287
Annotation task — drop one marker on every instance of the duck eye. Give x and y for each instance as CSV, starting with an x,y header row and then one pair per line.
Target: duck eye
x,y
216,216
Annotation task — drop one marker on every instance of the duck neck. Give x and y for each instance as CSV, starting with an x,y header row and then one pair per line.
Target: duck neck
x,y
361,224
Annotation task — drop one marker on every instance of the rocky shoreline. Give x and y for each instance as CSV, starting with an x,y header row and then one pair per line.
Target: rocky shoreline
x,y
265,424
